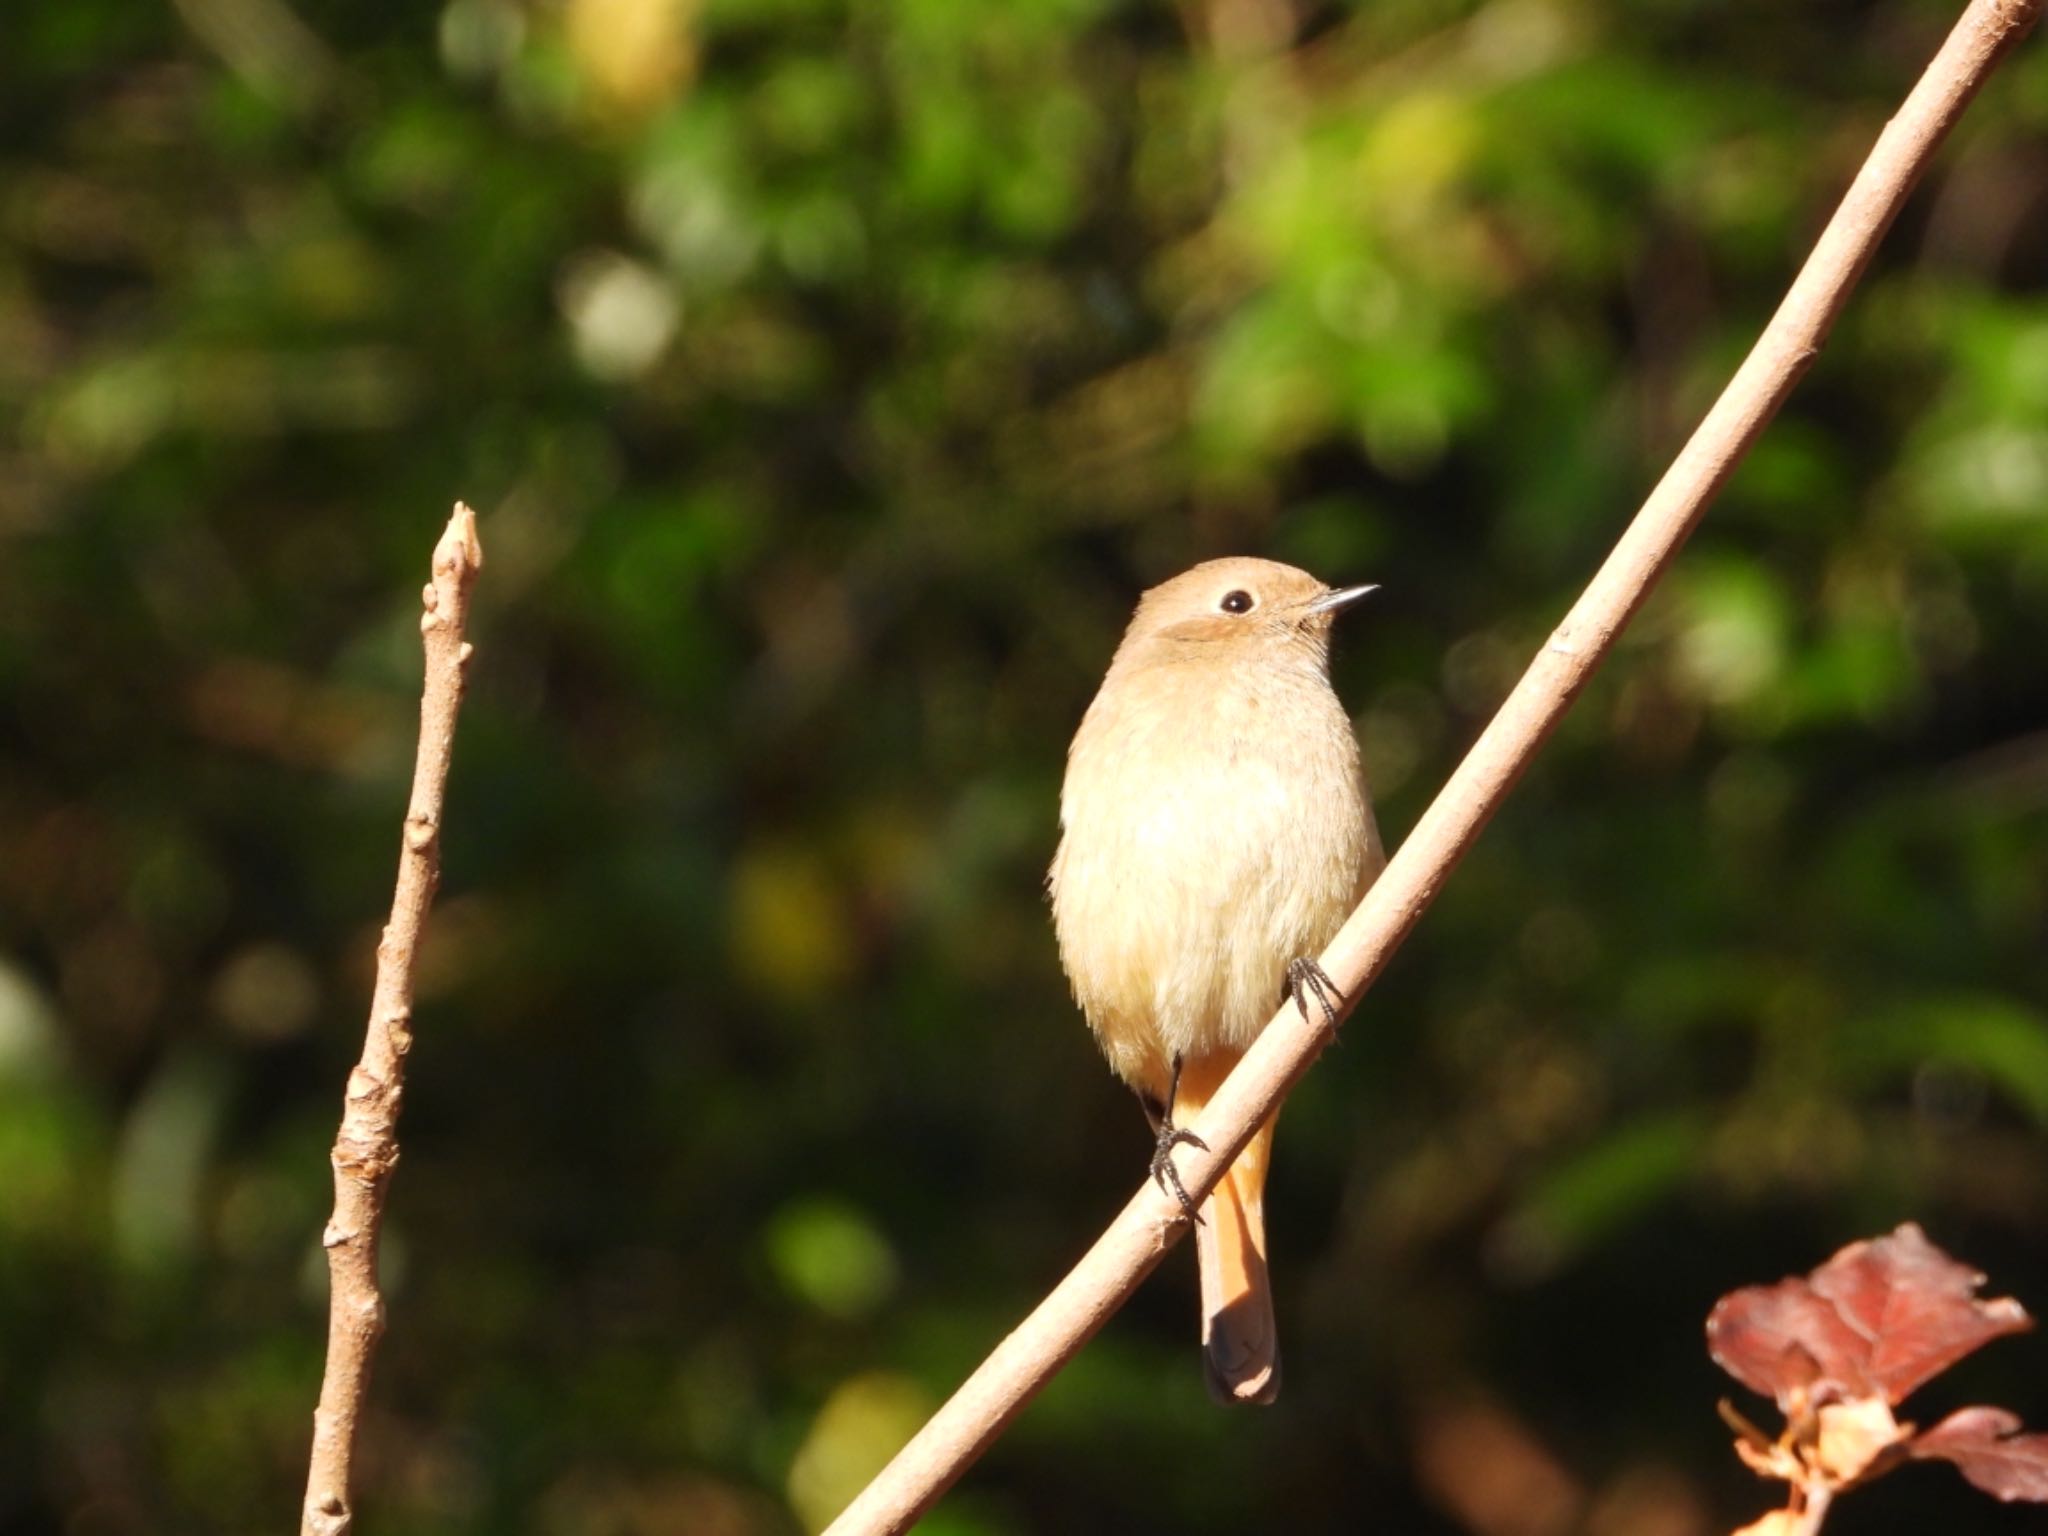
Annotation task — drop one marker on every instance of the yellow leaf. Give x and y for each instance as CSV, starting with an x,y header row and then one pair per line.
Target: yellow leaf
x,y
791,934
634,53
864,1422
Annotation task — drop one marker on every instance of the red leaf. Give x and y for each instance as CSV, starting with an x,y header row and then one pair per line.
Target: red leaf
x,y
1781,1339
1987,1445
1876,1320
1916,1305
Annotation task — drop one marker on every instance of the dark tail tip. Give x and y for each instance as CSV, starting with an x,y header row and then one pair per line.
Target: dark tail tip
x,y
1238,1384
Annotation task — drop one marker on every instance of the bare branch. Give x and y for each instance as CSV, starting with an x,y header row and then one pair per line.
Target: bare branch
x,y
367,1149
1150,1223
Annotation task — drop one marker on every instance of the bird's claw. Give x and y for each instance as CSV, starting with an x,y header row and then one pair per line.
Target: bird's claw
x,y
1166,1175
1306,979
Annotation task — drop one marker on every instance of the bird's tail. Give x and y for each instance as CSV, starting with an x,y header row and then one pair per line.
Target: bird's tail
x,y
1240,1340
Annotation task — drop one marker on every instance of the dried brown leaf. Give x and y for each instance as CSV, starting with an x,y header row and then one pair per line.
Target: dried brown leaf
x,y
1876,1321
1780,1340
1917,1306
1987,1445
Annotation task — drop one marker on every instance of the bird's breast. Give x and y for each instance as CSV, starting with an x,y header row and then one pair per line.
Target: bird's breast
x,y
1211,834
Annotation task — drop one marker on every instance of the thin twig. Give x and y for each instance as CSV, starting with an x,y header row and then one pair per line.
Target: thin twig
x,y
1150,1224
367,1149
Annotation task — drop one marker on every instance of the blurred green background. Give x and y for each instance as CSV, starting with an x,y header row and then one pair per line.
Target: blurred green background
x,y
830,380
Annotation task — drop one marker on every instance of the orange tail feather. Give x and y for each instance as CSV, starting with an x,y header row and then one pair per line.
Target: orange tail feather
x,y
1240,1337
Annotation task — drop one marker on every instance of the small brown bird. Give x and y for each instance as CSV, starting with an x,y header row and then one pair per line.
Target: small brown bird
x,y
1215,835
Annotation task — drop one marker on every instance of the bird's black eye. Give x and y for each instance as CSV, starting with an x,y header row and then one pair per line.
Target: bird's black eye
x,y
1237,602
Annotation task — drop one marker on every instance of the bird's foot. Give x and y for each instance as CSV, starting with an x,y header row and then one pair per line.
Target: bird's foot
x,y
1165,1174
1306,979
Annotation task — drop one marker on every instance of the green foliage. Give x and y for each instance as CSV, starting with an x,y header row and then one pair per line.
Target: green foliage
x,y
830,379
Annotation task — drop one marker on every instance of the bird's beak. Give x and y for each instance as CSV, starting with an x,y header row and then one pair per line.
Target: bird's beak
x,y
1338,598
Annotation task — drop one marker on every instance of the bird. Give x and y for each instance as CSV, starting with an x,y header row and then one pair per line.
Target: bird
x,y
1215,831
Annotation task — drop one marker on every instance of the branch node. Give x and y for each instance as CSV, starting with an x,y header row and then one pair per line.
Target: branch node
x,y
459,554
328,1517
366,1162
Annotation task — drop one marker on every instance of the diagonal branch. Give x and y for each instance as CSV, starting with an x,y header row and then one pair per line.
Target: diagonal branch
x,y
367,1149
1150,1224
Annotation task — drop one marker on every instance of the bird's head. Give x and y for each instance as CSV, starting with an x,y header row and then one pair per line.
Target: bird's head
x,y
1238,608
